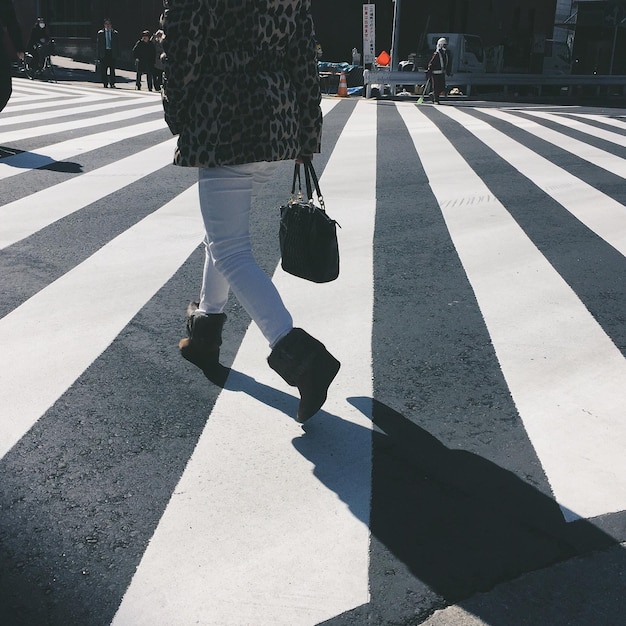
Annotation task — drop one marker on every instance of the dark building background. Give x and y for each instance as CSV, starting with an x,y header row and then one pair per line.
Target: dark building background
x,y
74,23
514,24
517,26
600,41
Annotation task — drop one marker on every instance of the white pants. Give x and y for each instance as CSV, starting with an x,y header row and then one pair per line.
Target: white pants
x,y
225,199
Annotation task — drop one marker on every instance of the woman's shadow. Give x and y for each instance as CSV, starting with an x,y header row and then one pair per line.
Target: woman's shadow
x,y
460,523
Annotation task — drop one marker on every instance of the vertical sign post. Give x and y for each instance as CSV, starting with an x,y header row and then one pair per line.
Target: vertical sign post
x,y
395,36
369,34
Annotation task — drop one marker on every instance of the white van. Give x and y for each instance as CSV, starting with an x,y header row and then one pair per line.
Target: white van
x,y
466,52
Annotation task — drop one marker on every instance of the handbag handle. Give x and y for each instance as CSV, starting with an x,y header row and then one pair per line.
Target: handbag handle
x,y
296,177
309,175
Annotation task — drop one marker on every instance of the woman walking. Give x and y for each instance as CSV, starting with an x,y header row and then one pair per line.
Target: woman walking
x,y
242,92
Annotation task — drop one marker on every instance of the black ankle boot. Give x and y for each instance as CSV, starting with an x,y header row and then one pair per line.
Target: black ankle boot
x,y
303,362
202,346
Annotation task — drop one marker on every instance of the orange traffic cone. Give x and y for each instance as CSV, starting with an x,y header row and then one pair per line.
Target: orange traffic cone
x,y
342,90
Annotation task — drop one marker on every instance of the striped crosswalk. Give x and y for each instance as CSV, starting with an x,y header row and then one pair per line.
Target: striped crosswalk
x,y
560,366
262,522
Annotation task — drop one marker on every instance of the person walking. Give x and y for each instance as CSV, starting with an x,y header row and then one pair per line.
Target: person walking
x,y
144,53
241,91
108,51
39,43
438,67
158,66
9,21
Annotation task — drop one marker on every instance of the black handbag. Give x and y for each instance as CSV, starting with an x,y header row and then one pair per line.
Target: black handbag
x,y
307,235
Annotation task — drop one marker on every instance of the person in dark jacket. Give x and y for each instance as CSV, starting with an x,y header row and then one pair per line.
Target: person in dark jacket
x,y
144,53
108,52
9,21
438,67
241,92
158,68
39,43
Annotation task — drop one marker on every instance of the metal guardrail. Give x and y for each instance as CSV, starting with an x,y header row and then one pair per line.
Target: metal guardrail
x,y
504,81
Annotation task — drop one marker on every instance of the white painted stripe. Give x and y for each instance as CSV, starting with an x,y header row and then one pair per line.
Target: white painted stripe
x,y
598,211
328,105
40,157
50,129
38,98
604,119
109,105
45,103
600,158
63,337
269,526
581,127
565,375
24,86
21,85
26,216
35,92
560,107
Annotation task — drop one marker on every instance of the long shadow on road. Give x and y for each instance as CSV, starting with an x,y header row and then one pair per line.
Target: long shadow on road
x,y
458,522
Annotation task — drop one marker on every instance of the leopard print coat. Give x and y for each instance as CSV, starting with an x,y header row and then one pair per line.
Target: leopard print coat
x,y
241,81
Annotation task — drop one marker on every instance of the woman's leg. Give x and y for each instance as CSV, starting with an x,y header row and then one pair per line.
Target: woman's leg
x,y
214,290
225,199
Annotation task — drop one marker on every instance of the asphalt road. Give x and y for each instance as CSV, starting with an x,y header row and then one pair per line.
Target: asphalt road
x,y
468,467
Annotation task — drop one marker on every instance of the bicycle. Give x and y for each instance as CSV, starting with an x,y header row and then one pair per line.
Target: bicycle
x,y
36,67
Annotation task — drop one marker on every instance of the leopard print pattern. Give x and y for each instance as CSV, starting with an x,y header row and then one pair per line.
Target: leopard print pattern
x,y
241,82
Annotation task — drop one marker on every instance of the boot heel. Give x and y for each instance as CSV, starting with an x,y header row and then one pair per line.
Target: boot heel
x,y
314,390
202,346
304,362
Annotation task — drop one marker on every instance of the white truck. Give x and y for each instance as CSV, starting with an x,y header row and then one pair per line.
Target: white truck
x,y
466,52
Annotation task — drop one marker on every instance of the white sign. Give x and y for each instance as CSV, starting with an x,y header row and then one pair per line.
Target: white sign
x,y
369,33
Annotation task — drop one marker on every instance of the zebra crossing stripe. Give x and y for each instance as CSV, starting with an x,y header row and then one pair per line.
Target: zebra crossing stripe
x,y
587,129
59,90
328,105
24,217
43,102
600,158
40,157
603,119
596,210
50,129
254,532
73,320
78,110
565,375
27,90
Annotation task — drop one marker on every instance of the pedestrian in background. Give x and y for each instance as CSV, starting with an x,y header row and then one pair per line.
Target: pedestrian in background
x,y
241,92
39,43
438,67
144,53
9,21
157,40
108,51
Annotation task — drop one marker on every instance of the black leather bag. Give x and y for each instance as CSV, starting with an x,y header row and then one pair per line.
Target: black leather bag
x,y
307,235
